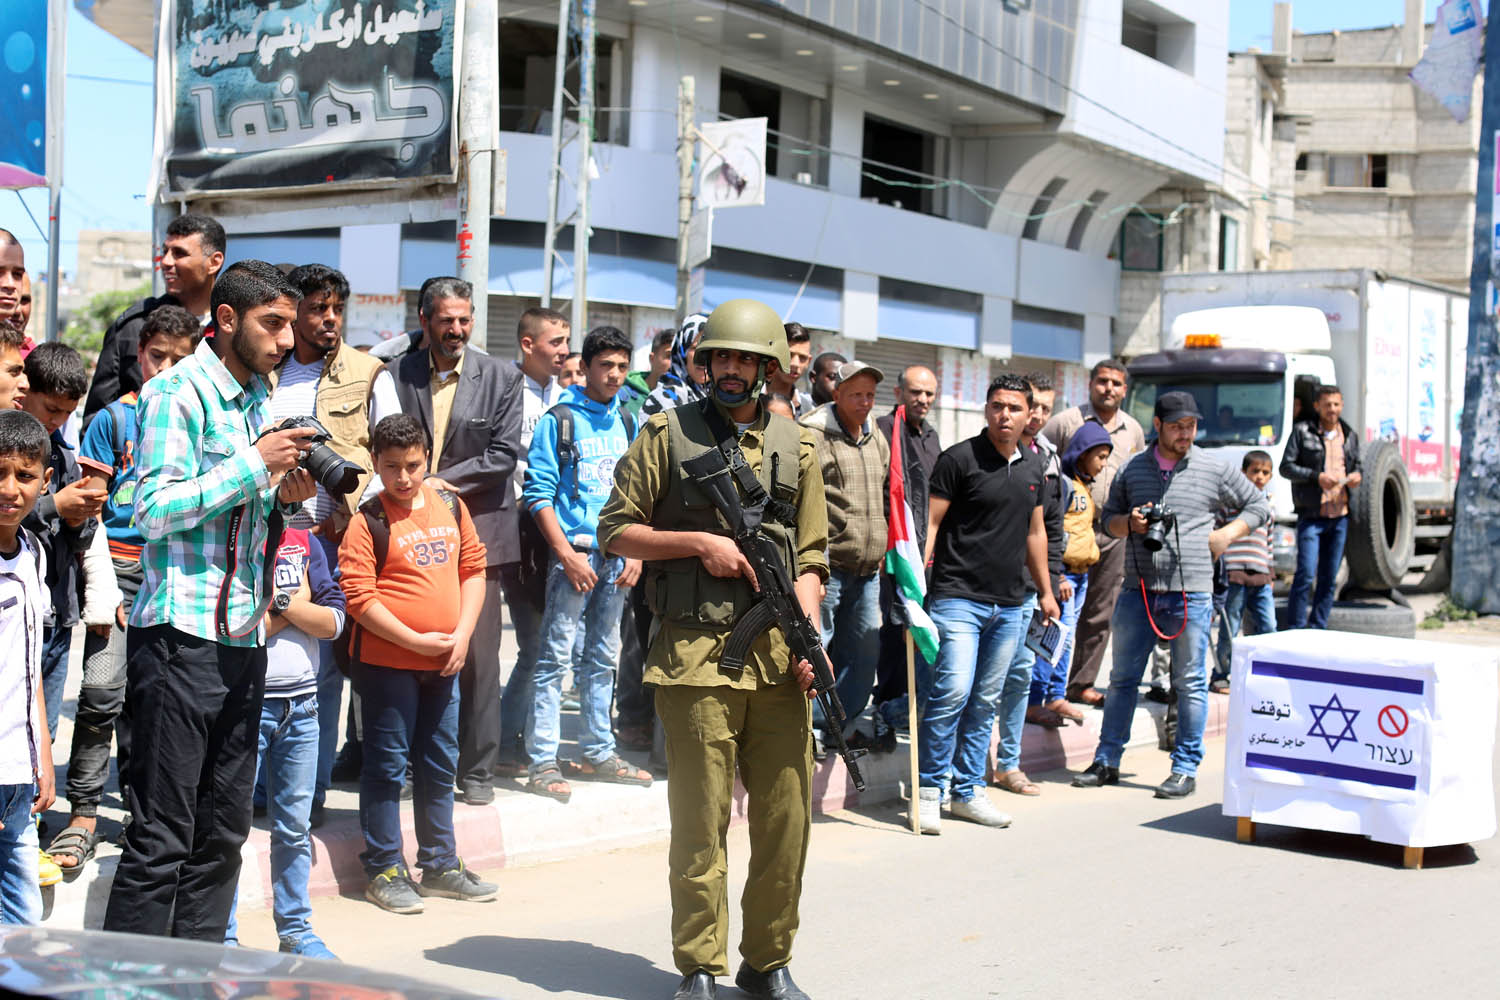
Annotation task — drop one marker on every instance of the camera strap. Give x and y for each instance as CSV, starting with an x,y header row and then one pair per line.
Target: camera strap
x,y
1176,551
274,523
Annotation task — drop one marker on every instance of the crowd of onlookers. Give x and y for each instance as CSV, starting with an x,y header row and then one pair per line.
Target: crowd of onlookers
x,y
480,484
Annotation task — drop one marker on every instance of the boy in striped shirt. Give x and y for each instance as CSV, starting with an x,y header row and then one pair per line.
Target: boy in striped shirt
x,y
1247,566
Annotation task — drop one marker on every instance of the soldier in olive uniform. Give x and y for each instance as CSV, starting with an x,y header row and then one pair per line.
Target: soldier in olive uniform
x,y
757,719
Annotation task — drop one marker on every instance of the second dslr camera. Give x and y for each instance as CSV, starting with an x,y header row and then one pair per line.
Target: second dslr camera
x,y
328,467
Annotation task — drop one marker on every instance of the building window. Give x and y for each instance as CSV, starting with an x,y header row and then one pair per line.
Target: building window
x,y
1301,163
1046,333
528,67
1041,207
1083,218
1139,244
742,97
1357,170
1229,244
896,157
1158,34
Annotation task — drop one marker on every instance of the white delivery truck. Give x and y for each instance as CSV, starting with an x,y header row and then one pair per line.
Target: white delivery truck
x,y
1253,346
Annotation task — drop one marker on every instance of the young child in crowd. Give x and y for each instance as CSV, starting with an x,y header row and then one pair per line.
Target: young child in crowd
x,y
13,384
569,475
413,576
106,456
1088,451
64,516
1247,565
309,608
26,776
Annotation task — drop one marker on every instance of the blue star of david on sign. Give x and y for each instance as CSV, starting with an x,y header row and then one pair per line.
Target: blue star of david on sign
x,y
1334,707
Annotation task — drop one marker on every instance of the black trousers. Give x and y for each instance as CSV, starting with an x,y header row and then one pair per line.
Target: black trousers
x,y
195,710
479,691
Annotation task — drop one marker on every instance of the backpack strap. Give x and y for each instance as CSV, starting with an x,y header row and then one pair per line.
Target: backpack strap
x,y
380,529
450,500
567,447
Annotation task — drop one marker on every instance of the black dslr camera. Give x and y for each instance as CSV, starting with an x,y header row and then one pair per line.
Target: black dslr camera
x,y
1160,519
338,477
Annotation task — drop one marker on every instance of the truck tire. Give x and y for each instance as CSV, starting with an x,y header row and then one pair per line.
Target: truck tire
x,y
1382,521
1373,618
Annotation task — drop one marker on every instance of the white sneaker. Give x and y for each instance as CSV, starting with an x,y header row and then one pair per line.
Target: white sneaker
x,y
979,810
930,810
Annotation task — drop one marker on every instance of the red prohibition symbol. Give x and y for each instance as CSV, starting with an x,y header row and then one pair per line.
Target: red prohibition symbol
x,y
1393,721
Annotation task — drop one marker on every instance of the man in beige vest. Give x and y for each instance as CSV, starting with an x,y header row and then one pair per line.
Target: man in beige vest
x,y
323,377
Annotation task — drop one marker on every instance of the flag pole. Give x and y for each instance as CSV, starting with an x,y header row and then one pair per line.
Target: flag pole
x,y
911,728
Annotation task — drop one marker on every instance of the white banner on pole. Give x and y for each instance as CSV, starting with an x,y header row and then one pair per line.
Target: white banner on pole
x,y
733,171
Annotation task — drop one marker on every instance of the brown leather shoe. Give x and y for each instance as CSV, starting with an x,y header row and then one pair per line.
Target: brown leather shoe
x,y
1062,708
1086,696
1040,716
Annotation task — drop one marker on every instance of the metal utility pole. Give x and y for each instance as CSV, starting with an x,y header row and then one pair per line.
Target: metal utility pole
x,y
554,173
479,137
57,59
585,166
1475,580
686,144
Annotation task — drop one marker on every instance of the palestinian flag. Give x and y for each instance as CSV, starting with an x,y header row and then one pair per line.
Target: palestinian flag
x,y
903,560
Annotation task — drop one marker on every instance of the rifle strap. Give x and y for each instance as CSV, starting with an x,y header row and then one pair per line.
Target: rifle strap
x,y
757,503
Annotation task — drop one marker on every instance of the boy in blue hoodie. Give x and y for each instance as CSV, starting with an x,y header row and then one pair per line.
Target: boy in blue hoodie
x,y
569,474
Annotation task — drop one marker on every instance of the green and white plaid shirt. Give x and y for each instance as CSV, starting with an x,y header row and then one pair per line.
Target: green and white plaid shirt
x,y
196,462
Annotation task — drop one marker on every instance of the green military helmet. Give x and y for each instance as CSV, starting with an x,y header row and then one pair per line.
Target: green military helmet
x,y
747,325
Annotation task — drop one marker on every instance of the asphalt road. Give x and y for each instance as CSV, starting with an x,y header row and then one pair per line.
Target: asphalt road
x,y
1090,893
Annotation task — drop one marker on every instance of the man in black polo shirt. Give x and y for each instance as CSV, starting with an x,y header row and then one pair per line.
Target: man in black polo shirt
x,y
984,530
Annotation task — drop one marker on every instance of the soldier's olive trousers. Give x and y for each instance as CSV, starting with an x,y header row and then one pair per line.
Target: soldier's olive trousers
x,y
767,734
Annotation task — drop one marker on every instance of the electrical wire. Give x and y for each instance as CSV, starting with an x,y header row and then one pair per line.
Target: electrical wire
x,y
38,225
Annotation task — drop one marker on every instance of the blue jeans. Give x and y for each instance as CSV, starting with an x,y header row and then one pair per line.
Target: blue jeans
x,y
408,714
1255,607
20,895
1320,549
1013,696
977,646
1133,640
851,635
598,611
525,600
55,645
1049,681
289,741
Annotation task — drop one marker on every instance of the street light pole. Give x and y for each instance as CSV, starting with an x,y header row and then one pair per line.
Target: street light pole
x,y
478,138
57,59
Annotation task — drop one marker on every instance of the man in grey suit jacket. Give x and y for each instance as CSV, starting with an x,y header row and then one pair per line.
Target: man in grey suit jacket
x,y
470,404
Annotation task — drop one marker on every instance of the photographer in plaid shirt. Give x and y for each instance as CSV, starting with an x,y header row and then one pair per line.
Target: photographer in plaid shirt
x,y
208,483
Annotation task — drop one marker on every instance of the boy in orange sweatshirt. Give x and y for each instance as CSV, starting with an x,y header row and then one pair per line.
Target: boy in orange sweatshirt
x,y
413,578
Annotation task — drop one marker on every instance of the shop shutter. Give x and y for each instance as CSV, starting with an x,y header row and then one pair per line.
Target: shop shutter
x,y
892,357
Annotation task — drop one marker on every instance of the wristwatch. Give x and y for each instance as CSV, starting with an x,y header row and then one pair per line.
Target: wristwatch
x,y
280,602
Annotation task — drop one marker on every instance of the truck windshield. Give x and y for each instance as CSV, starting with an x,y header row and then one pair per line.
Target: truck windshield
x,y
1248,410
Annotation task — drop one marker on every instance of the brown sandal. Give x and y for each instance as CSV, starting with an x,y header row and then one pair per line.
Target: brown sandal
x,y
1016,781
613,768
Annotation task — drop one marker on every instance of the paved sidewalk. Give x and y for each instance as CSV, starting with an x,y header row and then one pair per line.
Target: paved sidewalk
x,y
522,829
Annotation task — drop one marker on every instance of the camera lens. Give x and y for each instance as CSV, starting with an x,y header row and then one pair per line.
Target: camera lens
x,y
338,477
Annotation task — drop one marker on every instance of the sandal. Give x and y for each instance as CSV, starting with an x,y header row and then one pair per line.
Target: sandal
x,y
1067,711
1016,781
548,780
75,844
613,769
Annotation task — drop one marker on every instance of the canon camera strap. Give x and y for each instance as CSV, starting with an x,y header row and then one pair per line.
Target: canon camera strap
x,y
274,523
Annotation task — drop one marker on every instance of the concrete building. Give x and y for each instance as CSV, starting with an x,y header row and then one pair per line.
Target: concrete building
x,y
947,180
1332,159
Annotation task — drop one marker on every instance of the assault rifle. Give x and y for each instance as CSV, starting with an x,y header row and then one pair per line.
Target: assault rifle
x,y
776,602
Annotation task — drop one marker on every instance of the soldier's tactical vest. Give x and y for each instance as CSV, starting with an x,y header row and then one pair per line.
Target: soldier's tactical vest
x,y
681,591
